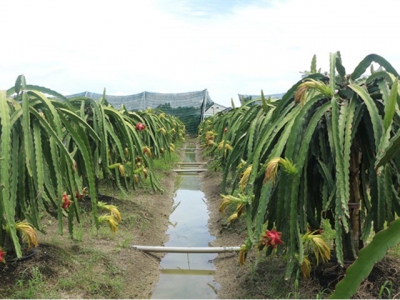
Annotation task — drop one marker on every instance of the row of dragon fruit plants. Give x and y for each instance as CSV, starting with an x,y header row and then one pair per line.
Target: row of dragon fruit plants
x,y
54,151
326,154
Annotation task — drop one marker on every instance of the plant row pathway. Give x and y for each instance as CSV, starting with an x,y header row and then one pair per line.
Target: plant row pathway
x,y
186,275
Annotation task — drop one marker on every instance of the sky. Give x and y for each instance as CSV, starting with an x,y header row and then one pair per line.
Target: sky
x,y
228,47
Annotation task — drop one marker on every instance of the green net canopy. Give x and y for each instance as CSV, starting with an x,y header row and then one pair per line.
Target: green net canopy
x,y
189,107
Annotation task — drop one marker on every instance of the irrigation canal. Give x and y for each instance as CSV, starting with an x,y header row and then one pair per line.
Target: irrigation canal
x,y
183,275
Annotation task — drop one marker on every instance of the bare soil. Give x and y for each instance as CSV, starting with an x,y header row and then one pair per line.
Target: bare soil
x,y
98,264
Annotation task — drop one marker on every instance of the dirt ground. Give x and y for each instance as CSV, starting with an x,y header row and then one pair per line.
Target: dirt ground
x,y
228,272
98,264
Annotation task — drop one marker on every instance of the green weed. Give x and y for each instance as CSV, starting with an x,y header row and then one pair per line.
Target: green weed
x,y
323,294
95,275
78,233
386,290
29,288
126,243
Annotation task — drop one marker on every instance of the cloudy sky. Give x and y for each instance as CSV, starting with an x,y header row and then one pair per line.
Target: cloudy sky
x,y
229,47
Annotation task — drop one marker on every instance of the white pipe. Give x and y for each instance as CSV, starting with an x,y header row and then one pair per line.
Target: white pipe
x,y
186,249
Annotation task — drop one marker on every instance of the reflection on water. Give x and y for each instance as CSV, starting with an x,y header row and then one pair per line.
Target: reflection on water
x,y
190,157
189,182
185,287
187,272
184,275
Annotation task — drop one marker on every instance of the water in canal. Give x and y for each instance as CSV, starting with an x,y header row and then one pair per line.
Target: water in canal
x,y
185,276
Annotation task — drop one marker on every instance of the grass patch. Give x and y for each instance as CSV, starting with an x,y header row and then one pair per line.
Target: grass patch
x,y
166,163
95,274
78,270
30,285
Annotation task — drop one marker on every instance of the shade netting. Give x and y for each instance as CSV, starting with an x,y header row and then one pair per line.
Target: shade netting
x,y
189,107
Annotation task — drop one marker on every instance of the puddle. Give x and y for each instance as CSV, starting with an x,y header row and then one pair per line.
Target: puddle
x,y
188,276
190,156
